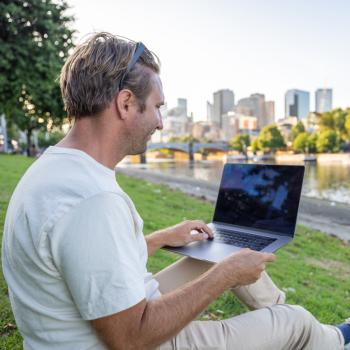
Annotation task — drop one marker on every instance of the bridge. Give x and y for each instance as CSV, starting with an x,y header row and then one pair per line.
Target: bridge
x,y
187,147
190,148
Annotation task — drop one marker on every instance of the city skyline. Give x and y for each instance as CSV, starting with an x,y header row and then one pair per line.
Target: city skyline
x,y
250,47
323,98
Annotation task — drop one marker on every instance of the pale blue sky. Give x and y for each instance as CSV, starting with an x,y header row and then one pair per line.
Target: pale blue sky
x,y
248,46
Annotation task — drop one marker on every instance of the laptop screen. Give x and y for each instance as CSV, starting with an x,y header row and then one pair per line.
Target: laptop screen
x,y
260,196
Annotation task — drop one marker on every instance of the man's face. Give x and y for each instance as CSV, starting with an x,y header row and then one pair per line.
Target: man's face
x,y
147,122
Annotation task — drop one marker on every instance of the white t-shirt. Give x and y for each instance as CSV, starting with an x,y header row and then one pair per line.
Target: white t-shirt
x,y
73,251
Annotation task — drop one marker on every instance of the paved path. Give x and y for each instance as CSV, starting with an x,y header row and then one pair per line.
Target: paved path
x,y
329,217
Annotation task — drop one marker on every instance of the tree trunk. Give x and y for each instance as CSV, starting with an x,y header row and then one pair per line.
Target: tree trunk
x,y
29,142
4,131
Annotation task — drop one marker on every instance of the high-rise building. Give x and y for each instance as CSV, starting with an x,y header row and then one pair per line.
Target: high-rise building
x,y
297,103
200,129
270,112
260,109
224,101
180,110
254,106
323,100
245,106
182,106
230,126
210,111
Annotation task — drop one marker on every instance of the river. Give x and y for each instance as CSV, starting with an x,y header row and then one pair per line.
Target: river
x,y
331,181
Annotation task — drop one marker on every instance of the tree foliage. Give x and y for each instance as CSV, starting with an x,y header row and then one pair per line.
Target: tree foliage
x,y
35,38
347,123
255,145
240,143
297,129
312,142
328,141
49,139
336,120
270,139
300,143
183,139
305,143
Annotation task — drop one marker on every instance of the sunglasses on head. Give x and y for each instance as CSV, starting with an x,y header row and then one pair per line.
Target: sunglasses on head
x,y
137,53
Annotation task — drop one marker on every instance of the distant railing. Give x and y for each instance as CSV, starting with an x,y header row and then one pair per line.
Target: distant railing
x,y
190,147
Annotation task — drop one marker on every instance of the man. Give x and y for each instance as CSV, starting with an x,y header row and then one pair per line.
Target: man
x,y
74,255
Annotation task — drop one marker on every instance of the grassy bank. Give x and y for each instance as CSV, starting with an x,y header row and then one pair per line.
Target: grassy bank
x,y
314,269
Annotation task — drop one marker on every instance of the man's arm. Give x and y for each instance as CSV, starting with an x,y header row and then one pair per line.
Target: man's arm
x,y
178,235
150,323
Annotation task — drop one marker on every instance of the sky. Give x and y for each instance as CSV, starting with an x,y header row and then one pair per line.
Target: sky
x,y
250,46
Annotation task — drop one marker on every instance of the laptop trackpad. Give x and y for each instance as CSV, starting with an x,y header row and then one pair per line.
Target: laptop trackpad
x,y
207,250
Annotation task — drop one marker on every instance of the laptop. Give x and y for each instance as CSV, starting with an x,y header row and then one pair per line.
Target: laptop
x,y
256,208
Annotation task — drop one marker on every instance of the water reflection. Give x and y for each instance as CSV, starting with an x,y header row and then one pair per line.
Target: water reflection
x,y
327,181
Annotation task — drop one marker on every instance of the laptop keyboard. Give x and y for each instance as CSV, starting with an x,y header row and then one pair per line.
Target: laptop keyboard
x,y
243,240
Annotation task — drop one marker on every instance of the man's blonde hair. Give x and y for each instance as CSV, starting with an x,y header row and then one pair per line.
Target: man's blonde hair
x,y
91,75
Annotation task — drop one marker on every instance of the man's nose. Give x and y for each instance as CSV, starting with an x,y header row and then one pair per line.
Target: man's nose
x,y
160,121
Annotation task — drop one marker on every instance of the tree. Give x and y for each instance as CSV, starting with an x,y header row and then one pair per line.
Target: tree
x,y
328,141
327,121
335,120
297,129
339,117
188,138
347,123
255,145
312,142
300,143
183,139
240,143
175,139
271,139
34,42
49,139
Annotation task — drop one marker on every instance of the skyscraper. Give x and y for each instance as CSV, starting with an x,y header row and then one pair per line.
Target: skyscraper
x,y
323,100
297,103
224,101
210,111
182,106
255,106
270,112
260,110
180,110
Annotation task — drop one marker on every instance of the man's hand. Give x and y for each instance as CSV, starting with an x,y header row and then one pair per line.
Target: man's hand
x,y
244,267
179,235
187,232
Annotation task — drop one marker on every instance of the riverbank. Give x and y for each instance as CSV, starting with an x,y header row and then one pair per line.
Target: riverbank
x,y
329,217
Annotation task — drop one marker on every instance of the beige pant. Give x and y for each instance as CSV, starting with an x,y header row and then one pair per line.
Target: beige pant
x,y
272,326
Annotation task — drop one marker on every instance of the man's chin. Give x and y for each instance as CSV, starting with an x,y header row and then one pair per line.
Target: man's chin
x,y
138,151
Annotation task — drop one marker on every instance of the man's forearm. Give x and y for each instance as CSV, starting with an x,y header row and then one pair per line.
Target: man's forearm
x,y
155,241
178,235
165,317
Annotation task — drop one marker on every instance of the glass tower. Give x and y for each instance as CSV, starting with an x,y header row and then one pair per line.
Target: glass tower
x,y
323,100
297,103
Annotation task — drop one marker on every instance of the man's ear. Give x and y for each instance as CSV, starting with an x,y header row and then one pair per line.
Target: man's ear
x,y
123,103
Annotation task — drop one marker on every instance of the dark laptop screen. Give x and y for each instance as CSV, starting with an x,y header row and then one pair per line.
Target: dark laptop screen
x,y
265,197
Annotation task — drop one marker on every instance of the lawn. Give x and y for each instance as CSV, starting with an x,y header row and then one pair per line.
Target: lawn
x,y
314,269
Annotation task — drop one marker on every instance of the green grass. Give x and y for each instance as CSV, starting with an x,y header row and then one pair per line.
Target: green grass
x,y
314,268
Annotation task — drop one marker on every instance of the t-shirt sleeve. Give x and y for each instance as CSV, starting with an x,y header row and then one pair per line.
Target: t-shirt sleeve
x,y
95,250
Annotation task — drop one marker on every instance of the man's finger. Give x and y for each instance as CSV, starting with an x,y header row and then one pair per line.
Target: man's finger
x,y
268,257
200,236
200,225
